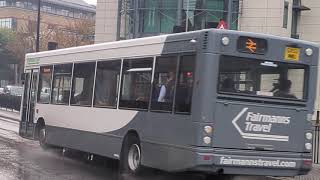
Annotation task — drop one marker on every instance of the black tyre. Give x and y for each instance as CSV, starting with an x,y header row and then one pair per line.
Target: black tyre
x,y
130,159
220,177
43,137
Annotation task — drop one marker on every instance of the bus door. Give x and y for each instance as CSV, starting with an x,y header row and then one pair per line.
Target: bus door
x,y
28,104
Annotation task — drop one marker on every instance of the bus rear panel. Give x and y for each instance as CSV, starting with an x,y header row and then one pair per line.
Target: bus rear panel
x,y
255,106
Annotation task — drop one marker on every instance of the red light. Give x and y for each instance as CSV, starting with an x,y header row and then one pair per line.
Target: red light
x,y
307,162
46,70
206,157
189,74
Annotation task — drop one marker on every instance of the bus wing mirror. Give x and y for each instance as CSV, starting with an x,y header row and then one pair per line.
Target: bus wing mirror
x,y
23,76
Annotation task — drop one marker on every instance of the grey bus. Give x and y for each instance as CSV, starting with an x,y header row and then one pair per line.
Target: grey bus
x,y
209,101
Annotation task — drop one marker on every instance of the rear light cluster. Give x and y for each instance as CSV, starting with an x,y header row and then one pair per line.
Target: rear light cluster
x,y
309,136
208,132
308,145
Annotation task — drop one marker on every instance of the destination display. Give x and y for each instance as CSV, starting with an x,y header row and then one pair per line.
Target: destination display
x,y
252,45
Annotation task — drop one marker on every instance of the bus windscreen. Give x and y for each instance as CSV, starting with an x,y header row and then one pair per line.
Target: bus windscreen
x,y
252,77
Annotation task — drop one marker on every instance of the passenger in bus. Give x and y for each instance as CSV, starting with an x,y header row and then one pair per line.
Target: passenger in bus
x,y
282,89
167,89
228,85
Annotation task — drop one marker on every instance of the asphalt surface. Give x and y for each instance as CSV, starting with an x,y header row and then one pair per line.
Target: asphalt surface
x,y
23,159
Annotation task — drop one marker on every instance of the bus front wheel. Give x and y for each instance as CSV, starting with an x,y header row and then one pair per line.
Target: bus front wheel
x,y
130,159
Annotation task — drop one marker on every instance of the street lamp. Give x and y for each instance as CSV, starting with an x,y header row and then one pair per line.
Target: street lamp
x,y
38,27
187,16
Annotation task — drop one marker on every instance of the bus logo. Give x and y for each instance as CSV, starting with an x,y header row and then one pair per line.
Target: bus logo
x,y
251,46
256,123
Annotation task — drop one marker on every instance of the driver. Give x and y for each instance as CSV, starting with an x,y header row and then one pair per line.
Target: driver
x,y
283,89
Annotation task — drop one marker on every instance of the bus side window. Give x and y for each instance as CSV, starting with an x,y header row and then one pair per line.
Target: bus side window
x,y
107,83
164,84
136,83
185,84
82,84
44,88
61,84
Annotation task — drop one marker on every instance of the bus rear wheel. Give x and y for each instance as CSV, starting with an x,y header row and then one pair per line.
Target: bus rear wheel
x,y
43,137
130,160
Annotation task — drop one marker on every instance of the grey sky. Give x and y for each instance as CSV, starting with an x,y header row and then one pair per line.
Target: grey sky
x,y
91,1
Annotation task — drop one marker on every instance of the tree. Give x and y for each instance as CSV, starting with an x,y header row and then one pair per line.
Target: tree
x,y
8,59
76,33
7,56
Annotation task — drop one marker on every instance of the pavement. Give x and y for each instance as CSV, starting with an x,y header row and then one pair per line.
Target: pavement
x,y
8,114
14,116
313,175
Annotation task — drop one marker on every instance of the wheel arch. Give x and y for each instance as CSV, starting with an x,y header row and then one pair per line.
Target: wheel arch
x,y
131,136
40,123
130,133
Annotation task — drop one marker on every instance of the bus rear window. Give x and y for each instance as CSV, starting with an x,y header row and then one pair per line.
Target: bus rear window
x,y
254,77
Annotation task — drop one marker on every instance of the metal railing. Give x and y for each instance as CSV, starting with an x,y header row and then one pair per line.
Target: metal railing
x,y
10,102
316,144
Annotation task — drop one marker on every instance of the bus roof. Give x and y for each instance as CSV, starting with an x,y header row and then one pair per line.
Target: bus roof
x,y
142,44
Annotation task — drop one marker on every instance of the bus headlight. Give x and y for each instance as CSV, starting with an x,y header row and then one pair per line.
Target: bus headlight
x,y
225,41
308,146
309,136
208,129
309,52
207,140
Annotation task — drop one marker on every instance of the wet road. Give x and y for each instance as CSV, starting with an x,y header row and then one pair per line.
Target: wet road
x,y
24,159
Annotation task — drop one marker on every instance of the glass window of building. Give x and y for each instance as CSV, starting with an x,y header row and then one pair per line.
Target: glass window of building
x,y
164,84
71,12
168,15
44,88
61,84
296,13
46,9
20,4
185,84
65,12
159,16
9,23
3,3
208,13
136,83
285,14
107,83
34,6
235,15
152,17
82,84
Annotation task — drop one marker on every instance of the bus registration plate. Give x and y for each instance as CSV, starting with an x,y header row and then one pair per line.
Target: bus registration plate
x,y
292,54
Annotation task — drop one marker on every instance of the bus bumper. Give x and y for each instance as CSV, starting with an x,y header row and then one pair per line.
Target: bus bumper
x,y
250,162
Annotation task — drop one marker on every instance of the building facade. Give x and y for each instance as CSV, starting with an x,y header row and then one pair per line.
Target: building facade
x,y
15,14
140,18
57,17
288,18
